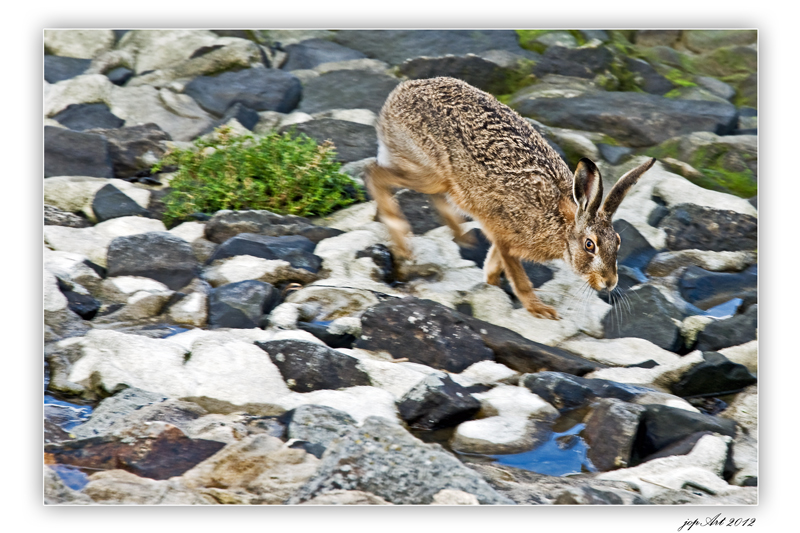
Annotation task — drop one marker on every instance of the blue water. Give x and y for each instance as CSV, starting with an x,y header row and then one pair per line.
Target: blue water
x,y
725,310
71,414
564,453
71,476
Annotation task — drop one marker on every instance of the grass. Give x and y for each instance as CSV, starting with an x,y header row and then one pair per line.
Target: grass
x,y
282,173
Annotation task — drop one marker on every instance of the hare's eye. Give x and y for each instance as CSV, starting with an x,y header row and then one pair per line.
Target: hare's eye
x,y
589,245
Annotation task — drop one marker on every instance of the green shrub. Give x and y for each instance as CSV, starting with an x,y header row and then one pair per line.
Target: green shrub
x,y
283,173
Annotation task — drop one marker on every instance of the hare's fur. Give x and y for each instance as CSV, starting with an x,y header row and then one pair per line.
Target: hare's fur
x,y
443,137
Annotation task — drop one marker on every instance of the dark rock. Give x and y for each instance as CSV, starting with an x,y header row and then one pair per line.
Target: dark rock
x,y
657,215
72,153
318,233
635,119
306,366
477,71
383,259
317,424
352,141
81,117
135,148
614,154
241,304
246,116
53,216
683,446
313,52
707,289
661,426
347,89
652,81
600,35
567,392
261,89
320,331
59,68
158,255
693,227
295,249
716,375
651,317
226,224
576,62
83,305
120,75
610,432
109,202
749,298
162,455
732,331
437,402
384,459
396,46
634,251
418,209
424,332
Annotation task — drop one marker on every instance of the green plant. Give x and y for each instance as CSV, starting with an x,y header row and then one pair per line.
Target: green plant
x,y
283,173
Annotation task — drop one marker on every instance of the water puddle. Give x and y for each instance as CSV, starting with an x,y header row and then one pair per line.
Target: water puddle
x,y
725,310
562,454
73,477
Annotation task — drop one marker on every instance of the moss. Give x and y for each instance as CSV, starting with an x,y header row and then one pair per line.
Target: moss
x,y
527,39
678,77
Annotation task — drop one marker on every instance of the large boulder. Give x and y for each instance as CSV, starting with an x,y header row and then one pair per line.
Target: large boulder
x,y
351,140
158,255
73,153
260,89
347,89
312,52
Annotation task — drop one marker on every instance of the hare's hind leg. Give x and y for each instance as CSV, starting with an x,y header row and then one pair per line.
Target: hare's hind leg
x,y
493,266
451,217
523,287
379,181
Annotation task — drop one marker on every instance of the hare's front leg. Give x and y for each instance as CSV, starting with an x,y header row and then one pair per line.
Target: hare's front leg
x,y
379,181
523,287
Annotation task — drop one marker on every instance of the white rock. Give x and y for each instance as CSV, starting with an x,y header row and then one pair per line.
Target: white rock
x,y
76,193
619,352
665,262
660,377
372,65
190,311
485,373
189,231
454,497
358,402
83,89
285,316
71,267
334,302
360,116
510,400
495,435
54,300
744,409
693,325
84,44
745,354
159,49
352,218
244,267
702,466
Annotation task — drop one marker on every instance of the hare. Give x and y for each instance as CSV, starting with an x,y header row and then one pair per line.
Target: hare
x,y
445,138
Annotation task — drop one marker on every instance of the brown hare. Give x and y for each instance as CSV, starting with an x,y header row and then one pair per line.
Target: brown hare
x,y
445,138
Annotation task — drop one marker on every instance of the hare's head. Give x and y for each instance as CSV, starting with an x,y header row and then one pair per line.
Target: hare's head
x,y
593,244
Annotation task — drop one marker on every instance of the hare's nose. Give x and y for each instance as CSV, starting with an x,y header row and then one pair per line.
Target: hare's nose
x,y
611,283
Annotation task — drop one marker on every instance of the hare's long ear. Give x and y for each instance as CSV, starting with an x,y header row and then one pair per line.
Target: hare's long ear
x,y
587,188
621,188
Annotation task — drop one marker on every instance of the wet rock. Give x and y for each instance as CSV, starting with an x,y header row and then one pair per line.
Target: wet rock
x,y
651,317
635,119
352,141
158,255
691,226
435,403
134,149
257,88
81,117
732,331
384,459
73,153
707,289
307,366
295,249
610,433
241,304
110,202
347,89
576,62
59,68
317,424
310,53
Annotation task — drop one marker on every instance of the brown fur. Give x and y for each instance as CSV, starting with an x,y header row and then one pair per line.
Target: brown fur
x,y
442,136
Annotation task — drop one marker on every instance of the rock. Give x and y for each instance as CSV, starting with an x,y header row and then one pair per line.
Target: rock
x,y
257,88
351,140
347,89
58,68
651,81
84,44
435,403
634,251
158,49
310,53
241,304
317,424
135,149
716,87
636,119
53,216
732,331
120,75
115,408
56,492
321,331
716,375
157,450
487,373
82,117
419,210
650,38
110,202
307,366
295,249
346,497
610,433
423,332
158,255
243,267
552,86
576,62
117,487
191,310
72,153
83,305
396,46
329,302
567,392
627,351
478,71
690,226
226,224
383,259
700,41
555,39
361,459
76,193
666,262
707,289
651,317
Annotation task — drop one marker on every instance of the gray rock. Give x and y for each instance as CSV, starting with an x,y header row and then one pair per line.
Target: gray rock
x,y
566,392
295,249
72,153
716,375
110,202
226,224
241,304
651,317
384,459
717,87
312,52
53,216
475,70
58,68
437,402
610,433
347,89
651,81
707,289
56,492
135,149
115,408
351,140
577,62
317,424
694,227
732,331
158,255
82,117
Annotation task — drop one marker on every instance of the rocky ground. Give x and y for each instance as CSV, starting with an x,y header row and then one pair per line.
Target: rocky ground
x,y
254,358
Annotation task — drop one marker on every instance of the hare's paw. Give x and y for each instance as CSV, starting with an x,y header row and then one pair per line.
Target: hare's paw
x,y
540,310
465,239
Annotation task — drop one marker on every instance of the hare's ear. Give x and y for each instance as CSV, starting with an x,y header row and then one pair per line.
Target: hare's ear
x,y
621,188
587,188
